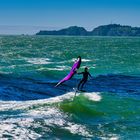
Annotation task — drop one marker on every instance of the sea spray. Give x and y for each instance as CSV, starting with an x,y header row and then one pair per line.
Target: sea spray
x,y
93,96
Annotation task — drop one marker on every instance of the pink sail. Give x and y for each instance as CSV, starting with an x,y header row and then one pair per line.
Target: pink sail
x,y
75,66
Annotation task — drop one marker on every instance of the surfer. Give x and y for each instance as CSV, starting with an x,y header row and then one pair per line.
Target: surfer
x,y
85,78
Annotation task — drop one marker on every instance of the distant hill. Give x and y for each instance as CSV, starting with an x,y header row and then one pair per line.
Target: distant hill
x,y
73,30
105,30
116,30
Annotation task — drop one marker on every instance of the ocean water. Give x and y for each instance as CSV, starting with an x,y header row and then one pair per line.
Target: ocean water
x,y
31,108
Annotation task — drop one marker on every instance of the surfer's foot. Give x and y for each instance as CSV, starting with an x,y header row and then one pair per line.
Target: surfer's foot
x,y
80,89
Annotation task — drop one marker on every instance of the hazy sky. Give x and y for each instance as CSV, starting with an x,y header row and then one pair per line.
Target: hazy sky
x,y
29,16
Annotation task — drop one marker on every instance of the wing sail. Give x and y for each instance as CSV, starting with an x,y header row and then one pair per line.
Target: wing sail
x,y
75,66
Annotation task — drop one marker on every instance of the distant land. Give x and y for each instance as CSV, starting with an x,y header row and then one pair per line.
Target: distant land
x,y
104,30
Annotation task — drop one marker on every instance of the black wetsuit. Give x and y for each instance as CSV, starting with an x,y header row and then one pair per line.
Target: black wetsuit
x,y
84,79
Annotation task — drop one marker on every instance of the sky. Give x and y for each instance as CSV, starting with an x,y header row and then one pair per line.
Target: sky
x,y
30,16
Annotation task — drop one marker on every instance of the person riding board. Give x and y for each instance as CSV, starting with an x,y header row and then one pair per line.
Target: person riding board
x,y
85,78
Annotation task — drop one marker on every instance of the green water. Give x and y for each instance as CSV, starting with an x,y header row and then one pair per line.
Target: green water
x,y
30,67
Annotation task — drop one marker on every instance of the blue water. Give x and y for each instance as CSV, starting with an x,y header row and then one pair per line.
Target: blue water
x,y
32,108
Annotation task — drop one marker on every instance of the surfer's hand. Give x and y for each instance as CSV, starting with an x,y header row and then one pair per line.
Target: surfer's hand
x,y
91,78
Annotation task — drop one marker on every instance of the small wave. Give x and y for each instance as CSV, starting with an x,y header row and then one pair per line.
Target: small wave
x,y
63,67
50,69
59,68
68,96
14,66
21,105
4,72
54,69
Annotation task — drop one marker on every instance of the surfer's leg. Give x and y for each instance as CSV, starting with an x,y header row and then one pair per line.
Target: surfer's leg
x,y
83,83
80,84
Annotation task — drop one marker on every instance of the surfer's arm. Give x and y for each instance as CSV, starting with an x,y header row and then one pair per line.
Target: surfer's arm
x,y
80,73
90,75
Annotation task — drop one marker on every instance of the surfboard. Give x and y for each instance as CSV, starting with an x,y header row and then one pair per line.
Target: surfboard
x,y
82,90
73,70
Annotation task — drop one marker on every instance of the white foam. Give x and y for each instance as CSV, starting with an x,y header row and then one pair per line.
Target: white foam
x,y
111,137
63,67
37,61
57,118
83,60
59,68
55,69
7,105
61,62
73,60
83,67
86,60
94,96
78,129
10,127
18,125
67,96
